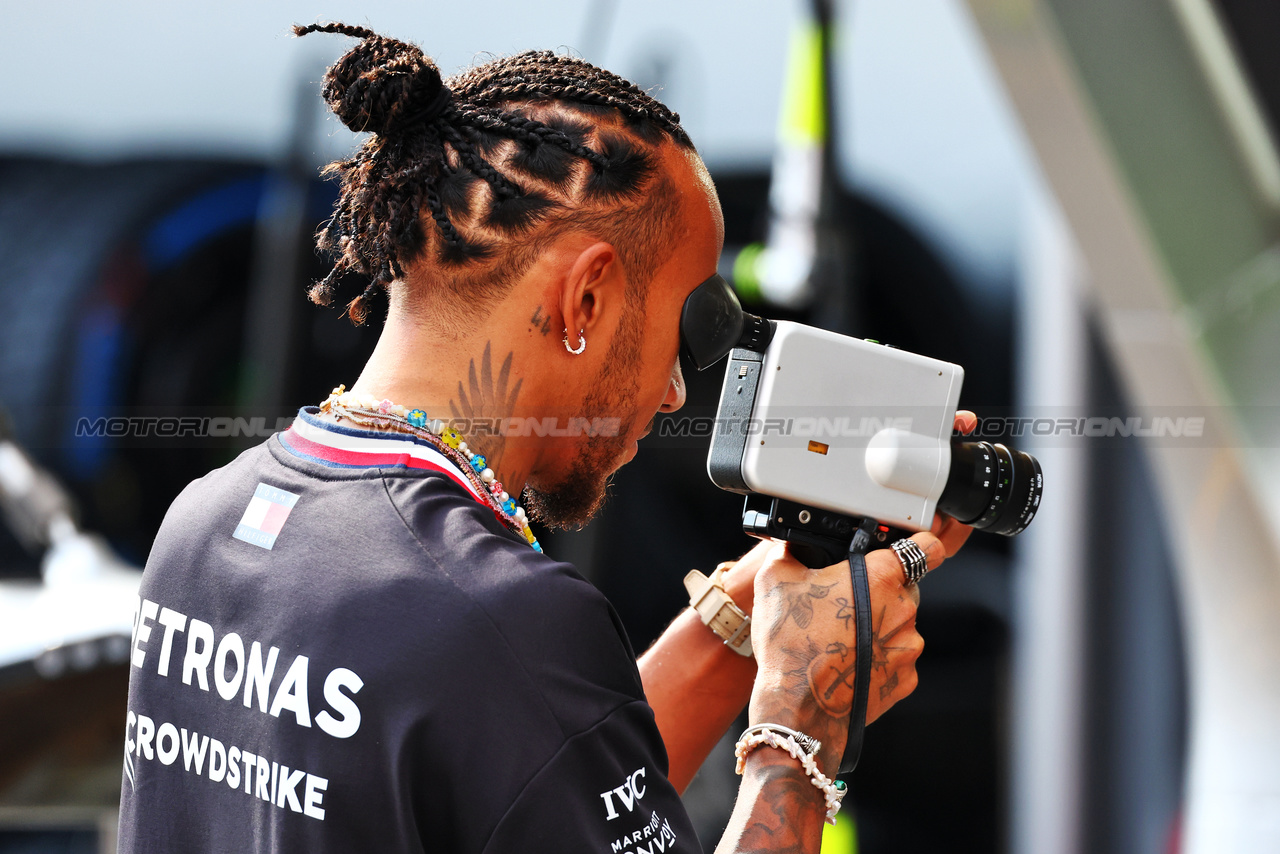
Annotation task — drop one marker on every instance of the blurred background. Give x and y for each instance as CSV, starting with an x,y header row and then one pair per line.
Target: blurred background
x,y
1076,200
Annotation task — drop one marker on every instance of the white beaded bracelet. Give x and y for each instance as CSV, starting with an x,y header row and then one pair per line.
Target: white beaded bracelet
x,y
833,791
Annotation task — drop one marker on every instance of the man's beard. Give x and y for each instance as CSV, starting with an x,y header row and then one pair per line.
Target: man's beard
x,y
574,501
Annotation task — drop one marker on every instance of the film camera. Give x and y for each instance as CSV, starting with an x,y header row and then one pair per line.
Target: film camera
x,y
829,435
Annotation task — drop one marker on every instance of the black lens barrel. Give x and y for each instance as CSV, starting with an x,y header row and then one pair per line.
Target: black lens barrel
x,y
992,487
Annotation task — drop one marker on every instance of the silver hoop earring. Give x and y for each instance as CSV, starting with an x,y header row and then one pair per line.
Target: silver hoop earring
x,y
582,343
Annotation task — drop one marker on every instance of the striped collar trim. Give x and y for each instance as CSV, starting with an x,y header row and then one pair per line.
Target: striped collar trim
x,y
321,441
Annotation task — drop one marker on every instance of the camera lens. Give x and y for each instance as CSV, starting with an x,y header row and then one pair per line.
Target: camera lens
x,y
992,487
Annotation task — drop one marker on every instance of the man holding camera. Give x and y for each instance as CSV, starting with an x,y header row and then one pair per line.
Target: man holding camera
x,y
350,637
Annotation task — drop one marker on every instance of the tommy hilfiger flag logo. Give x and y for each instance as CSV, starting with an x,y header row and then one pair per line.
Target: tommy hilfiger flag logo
x,y
265,515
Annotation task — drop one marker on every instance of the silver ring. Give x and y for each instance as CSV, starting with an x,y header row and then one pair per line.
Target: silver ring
x,y
914,562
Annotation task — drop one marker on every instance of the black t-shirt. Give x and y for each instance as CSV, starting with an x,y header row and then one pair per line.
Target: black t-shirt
x,y
339,648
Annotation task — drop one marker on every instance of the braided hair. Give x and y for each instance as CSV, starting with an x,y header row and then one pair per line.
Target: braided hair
x,y
467,179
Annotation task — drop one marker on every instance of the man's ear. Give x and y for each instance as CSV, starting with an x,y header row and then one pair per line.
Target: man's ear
x,y
595,278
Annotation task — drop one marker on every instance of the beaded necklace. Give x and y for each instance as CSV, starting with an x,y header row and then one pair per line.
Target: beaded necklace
x,y
367,411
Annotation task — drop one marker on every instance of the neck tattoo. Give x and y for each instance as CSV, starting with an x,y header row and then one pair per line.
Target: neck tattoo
x,y
367,411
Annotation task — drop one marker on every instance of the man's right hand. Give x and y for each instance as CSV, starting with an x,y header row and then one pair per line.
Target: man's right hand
x,y
804,640
803,635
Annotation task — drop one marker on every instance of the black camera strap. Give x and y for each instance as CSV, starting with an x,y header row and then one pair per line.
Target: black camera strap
x,y
862,631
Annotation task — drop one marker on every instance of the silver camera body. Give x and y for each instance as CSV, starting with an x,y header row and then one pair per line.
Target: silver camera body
x,y
838,423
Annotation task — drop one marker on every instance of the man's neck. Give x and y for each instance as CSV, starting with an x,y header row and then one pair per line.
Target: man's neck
x,y
476,383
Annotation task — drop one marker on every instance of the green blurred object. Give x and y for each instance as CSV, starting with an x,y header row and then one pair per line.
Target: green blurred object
x,y
790,269
803,117
841,837
746,273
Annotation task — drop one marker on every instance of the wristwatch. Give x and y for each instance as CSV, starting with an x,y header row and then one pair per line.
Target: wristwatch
x,y
718,610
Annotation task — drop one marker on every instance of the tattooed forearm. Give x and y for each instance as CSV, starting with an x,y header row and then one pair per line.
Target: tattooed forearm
x,y
786,817
807,654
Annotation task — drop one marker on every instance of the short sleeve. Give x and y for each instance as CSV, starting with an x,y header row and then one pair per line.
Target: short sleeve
x,y
603,791
539,738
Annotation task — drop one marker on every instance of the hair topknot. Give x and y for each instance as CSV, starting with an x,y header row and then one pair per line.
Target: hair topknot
x,y
381,84
472,172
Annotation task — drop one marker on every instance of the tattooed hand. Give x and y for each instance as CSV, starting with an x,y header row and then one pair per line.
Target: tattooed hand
x,y
804,640
803,634
799,627
805,648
